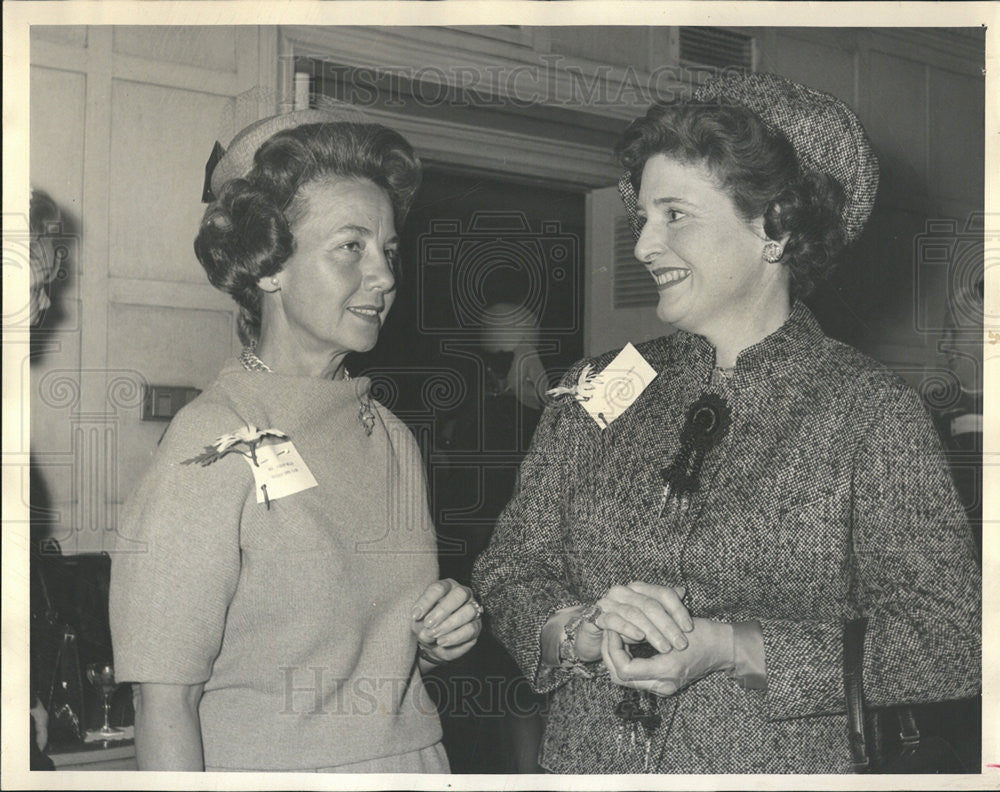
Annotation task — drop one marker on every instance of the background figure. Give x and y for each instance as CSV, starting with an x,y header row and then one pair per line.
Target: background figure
x,y
68,593
510,339
960,425
46,225
497,425
961,422
45,220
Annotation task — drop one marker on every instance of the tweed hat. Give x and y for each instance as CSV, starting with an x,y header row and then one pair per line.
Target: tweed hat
x,y
236,161
825,133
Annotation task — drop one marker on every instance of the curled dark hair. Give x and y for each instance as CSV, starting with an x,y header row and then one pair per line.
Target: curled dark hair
x,y
759,170
246,234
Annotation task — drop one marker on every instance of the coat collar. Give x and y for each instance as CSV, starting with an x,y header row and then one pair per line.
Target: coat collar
x,y
779,351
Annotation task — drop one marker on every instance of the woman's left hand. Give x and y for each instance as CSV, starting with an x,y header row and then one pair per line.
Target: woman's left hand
x,y
710,649
447,620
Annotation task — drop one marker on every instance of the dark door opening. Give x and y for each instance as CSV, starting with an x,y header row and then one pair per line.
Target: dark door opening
x,y
473,243
469,243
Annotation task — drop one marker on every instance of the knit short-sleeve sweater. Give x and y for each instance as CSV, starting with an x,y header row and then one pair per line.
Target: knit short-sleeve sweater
x,y
295,614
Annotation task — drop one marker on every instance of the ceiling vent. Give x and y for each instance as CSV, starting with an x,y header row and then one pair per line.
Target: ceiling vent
x,y
718,47
633,286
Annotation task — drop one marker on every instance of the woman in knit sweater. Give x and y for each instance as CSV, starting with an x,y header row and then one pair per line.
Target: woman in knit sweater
x,y
274,597
696,524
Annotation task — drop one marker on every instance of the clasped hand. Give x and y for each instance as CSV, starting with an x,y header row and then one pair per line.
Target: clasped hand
x,y
446,620
709,650
687,649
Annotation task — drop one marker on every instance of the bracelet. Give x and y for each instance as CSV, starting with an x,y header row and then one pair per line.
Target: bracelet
x,y
567,647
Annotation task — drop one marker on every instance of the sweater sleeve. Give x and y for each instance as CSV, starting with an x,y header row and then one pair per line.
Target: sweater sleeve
x,y
177,559
522,578
916,580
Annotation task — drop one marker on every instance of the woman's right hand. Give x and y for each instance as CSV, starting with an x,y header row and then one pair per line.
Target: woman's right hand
x,y
638,612
41,718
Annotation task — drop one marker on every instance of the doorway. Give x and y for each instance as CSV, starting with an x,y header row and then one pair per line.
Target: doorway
x,y
474,241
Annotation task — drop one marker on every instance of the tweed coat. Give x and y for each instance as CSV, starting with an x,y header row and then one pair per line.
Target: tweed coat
x,y
829,498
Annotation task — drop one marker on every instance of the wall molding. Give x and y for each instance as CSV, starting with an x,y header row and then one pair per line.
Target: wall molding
x,y
502,70
132,68
172,294
453,143
480,148
52,55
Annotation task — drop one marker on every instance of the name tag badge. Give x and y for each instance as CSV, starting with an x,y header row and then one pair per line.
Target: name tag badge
x,y
611,392
280,471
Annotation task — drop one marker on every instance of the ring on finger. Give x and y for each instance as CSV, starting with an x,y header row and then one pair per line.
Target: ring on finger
x,y
477,608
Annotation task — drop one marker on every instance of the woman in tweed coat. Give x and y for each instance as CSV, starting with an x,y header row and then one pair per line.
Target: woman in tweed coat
x,y
679,578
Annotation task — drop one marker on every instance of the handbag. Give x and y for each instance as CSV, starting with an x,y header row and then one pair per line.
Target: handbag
x,y
56,666
64,699
888,740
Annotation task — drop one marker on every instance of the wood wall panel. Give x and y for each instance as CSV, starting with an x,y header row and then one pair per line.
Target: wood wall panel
x,y
57,108
59,351
57,115
73,35
896,117
824,66
160,139
120,131
618,45
211,47
161,345
957,120
169,345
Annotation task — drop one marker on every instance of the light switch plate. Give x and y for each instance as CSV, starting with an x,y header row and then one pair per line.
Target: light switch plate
x,y
161,402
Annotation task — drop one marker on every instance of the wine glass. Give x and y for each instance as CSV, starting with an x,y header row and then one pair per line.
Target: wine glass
x,y
102,677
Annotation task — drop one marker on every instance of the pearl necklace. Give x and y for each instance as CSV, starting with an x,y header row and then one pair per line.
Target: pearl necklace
x,y
366,416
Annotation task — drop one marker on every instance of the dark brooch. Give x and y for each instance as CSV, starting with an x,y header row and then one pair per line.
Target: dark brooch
x,y
707,422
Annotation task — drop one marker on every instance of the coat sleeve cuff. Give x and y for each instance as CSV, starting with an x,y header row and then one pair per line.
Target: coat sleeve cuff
x,y
804,662
748,669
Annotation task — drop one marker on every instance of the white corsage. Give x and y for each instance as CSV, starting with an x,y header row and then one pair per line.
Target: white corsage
x,y
581,391
250,436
